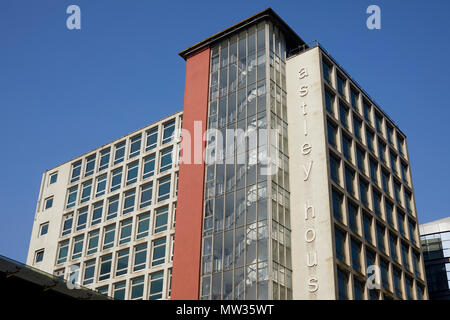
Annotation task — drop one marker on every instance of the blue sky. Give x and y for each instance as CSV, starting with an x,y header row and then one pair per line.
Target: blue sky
x,y
64,92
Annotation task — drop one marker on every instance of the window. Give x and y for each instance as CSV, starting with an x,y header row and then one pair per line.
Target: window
x,y
161,217
380,238
359,287
400,144
103,290
337,205
416,263
329,101
71,197
122,262
53,178
412,231
125,231
393,161
409,288
364,190
168,131
377,203
164,188
393,247
77,246
92,241
401,223
397,188
67,224
342,285
404,172
389,209
101,186
390,134
132,172
385,181
354,98
108,238
90,165
86,191
146,195
382,151
366,110
165,160
357,125
97,213
119,290
407,196
82,218
149,167
76,171
332,133
373,169
116,179
334,168
397,286
43,229
341,85
89,272
419,292
360,156
405,255
119,152
340,244
343,114
379,123
174,214
113,207
48,203
152,139
156,285
356,254
384,268
104,159
349,181
39,256
135,146
143,225
137,288
370,258
128,202
159,251
347,147
367,223
326,68
63,251
369,140
140,257
353,217
105,267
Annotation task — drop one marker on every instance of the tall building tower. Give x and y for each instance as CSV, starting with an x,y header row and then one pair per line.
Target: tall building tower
x,y
293,184
435,239
339,202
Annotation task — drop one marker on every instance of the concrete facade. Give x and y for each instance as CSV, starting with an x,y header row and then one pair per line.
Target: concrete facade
x,y
132,206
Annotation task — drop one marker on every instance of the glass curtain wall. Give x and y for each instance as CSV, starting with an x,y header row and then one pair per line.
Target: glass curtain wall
x,y
238,261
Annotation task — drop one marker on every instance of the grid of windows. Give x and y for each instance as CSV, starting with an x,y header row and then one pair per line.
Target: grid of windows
x,y
125,245
388,219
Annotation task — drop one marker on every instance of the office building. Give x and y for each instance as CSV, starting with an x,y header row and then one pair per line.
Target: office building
x,y
293,184
107,218
435,239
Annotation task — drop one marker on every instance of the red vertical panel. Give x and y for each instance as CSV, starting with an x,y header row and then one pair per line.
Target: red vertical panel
x,y
188,230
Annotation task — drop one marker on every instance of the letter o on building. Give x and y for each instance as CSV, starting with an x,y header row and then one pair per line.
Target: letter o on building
x,y
310,235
